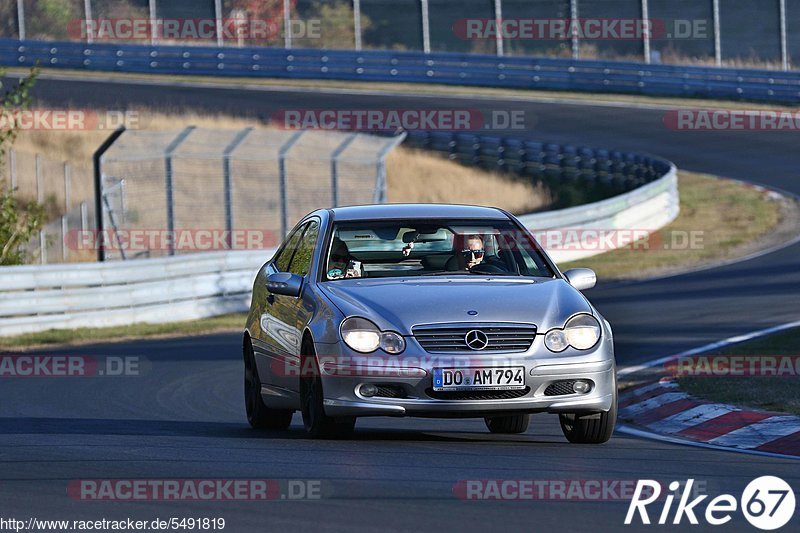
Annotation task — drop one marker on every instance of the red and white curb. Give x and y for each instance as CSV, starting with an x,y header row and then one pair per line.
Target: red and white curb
x,y
661,407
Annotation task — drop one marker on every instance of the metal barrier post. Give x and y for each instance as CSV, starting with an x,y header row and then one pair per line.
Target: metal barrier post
x,y
98,192
357,23
573,20
21,20
87,12
380,182
218,15
335,167
42,247
84,216
153,26
426,27
647,30
226,176
784,45
287,24
717,39
498,17
282,179
168,184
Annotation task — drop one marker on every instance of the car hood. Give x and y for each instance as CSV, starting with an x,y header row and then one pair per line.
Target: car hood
x,y
400,304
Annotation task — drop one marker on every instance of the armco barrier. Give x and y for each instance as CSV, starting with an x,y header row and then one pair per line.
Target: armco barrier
x,y
411,67
186,287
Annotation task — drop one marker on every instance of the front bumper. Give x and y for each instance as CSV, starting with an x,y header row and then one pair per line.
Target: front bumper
x,y
343,372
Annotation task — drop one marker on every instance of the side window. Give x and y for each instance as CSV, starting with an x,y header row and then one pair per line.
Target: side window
x,y
285,257
305,250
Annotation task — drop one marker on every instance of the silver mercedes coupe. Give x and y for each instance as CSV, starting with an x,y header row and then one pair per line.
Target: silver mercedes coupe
x,y
424,310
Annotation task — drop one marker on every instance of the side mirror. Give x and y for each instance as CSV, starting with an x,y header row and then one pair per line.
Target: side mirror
x,y
581,278
285,283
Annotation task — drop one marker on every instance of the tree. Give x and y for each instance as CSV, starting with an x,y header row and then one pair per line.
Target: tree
x,y
19,221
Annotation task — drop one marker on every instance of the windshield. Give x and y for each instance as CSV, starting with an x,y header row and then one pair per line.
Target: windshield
x,y
386,249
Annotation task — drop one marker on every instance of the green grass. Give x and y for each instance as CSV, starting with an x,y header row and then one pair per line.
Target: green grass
x,y
726,214
769,393
232,322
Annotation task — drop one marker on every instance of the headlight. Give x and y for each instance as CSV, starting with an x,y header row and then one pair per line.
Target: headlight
x,y
581,332
363,336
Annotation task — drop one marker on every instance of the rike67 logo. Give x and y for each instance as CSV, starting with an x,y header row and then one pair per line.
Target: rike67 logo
x,y
767,502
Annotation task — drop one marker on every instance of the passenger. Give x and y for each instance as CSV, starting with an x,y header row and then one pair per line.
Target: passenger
x,y
341,264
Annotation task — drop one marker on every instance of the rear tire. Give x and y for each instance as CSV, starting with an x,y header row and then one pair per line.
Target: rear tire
x,y
582,430
318,424
507,424
258,414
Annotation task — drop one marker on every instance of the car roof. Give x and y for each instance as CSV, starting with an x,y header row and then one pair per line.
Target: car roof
x,y
404,211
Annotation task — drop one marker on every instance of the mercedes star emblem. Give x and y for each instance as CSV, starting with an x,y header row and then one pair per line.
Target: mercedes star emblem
x,y
476,339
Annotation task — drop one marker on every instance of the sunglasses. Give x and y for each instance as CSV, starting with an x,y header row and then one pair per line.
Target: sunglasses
x,y
478,254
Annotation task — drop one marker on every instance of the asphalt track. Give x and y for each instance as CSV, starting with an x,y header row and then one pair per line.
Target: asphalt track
x,y
184,418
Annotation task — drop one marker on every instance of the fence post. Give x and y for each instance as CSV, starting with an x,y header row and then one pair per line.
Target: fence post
x,y
67,186
426,27
89,25
573,21
98,192
226,175
84,216
153,25
647,29
218,15
717,39
21,19
64,230
12,168
784,45
335,167
380,183
357,23
42,247
284,150
39,183
169,188
498,18
287,24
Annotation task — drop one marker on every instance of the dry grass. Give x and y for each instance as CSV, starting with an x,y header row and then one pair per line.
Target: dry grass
x,y
413,175
725,216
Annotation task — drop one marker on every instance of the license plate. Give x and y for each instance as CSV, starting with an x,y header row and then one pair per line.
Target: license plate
x,y
479,378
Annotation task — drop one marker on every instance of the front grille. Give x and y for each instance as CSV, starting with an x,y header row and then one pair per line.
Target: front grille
x,y
560,388
438,338
478,394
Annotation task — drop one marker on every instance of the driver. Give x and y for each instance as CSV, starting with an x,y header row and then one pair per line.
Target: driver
x,y
471,253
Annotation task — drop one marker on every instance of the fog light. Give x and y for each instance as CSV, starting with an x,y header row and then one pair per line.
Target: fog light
x,y
368,390
581,386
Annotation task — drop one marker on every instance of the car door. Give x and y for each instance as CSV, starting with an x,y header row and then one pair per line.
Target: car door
x,y
295,313
270,354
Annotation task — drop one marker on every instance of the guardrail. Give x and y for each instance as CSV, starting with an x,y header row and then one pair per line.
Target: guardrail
x,y
411,67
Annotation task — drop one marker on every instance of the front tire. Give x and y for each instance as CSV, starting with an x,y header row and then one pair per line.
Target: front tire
x,y
582,430
318,424
507,424
259,416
